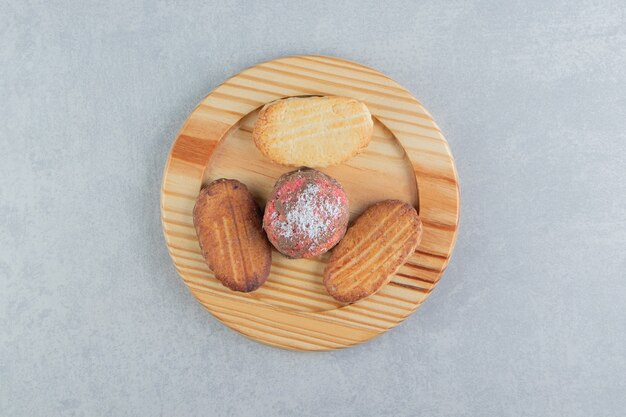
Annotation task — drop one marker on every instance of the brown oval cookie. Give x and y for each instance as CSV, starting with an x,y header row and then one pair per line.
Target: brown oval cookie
x,y
373,249
229,227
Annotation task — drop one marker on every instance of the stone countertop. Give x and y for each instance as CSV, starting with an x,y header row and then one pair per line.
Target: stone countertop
x,y
528,320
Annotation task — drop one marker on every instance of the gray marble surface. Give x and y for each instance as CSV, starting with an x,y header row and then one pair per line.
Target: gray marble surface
x,y
529,319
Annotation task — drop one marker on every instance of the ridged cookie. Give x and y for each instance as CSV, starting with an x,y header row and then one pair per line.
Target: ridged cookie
x,y
228,224
373,249
313,131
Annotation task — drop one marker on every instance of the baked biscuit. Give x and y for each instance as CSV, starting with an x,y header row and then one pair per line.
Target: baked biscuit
x,y
373,249
228,224
307,213
313,131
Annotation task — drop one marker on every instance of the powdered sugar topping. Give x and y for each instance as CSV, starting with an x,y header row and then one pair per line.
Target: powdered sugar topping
x,y
310,215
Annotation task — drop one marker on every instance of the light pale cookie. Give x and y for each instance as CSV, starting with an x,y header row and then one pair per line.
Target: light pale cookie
x,y
229,227
313,131
373,249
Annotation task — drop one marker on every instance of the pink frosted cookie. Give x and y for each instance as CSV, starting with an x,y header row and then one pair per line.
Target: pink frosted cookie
x,y
307,213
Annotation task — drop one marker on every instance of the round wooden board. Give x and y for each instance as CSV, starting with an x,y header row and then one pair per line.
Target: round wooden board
x,y
407,159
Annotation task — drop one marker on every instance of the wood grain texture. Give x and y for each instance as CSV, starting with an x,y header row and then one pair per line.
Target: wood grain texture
x,y
408,159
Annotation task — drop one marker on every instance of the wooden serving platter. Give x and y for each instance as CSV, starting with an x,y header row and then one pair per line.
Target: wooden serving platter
x,y
407,159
